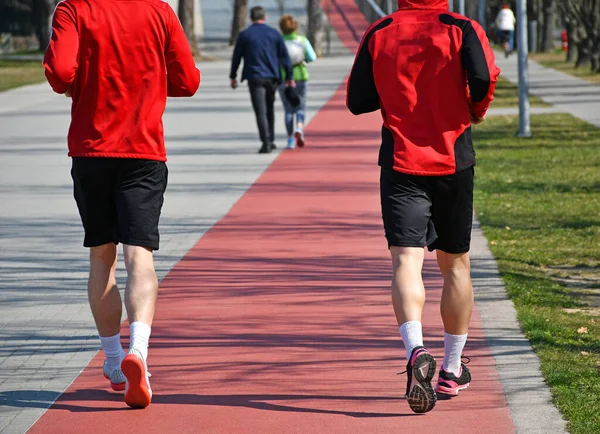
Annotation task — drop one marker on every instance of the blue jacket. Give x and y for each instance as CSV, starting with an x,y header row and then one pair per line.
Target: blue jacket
x,y
264,53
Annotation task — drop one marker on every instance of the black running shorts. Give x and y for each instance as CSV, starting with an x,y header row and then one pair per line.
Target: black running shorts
x,y
119,200
428,211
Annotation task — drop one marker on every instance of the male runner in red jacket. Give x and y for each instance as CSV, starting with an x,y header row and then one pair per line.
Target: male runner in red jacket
x,y
119,60
432,74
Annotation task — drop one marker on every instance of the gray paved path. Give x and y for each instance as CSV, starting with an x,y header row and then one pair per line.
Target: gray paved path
x,y
568,94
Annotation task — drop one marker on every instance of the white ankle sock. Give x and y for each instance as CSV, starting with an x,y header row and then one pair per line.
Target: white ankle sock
x,y
412,336
140,335
113,351
453,348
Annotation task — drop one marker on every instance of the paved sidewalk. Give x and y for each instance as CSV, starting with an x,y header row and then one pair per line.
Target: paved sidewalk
x,y
567,94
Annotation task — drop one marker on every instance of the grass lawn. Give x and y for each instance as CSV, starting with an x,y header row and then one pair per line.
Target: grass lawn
x,y
556,60
538,201
507,95
15,73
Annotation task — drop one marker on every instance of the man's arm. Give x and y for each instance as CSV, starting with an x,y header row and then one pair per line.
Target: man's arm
x,y
284,59
362,96
61,57
183,77
482,72
238,53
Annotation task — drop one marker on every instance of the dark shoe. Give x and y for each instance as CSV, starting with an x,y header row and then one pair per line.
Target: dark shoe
x,y
265,149
273,146
450,384
419,392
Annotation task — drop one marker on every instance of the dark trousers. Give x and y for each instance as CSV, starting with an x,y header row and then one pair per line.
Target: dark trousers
x,y
262,93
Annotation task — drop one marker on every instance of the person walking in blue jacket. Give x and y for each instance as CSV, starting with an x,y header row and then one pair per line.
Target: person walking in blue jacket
x,y
264,53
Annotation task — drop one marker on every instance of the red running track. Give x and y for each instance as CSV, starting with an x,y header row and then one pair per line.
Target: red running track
x,y
279,320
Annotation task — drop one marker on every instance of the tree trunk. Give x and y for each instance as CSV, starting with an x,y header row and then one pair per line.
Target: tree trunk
x,y
549,29
41,11
238,22
471,9
595,48
572,48
316,25
595,56
583,53
595,62
185,11
281,6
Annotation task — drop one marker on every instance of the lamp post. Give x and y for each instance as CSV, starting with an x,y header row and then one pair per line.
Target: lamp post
x,y
524,108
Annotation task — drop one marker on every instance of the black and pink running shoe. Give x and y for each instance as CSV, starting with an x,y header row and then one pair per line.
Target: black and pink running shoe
x,y
450,384
420,370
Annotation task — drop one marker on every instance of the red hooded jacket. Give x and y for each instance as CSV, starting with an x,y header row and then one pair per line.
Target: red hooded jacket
x,y
427,70
119,59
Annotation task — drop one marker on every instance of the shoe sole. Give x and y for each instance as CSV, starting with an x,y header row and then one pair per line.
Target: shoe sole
x,y
422,397
299,140
451,391
137,394
117,387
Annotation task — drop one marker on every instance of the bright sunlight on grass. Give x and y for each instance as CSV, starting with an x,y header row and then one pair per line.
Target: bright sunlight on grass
x,y
15,73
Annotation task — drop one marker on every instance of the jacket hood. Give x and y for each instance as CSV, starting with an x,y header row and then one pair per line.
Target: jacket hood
x,y
423,4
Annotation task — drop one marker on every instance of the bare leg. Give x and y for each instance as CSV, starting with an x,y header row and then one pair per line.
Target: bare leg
x,y
408,291
103,294
140,300
408,297
141,291
457,297
456,308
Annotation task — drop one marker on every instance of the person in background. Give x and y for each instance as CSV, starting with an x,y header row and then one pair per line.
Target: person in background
x,y
301,53
505,24
116,141
264,54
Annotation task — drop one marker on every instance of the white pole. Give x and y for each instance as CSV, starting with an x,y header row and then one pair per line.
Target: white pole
x,y
451,5
524,108
461,7
389,8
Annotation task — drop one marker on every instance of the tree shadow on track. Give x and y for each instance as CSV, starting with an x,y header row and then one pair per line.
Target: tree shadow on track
x,y
91,401
44,399
258,402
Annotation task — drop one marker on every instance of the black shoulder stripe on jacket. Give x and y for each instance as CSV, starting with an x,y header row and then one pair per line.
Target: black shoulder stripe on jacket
x,y
362,92
473,58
